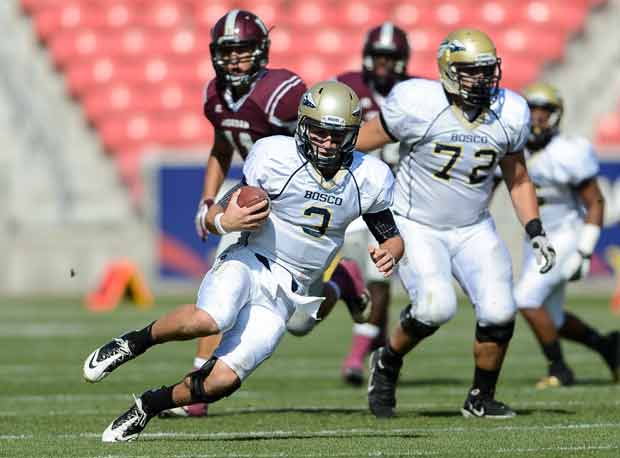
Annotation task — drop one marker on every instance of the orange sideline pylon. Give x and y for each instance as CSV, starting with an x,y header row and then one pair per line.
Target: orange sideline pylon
x,y
121,278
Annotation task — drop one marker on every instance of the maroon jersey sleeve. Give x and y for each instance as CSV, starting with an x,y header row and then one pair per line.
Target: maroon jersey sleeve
x,y
211,98
355,80
279,96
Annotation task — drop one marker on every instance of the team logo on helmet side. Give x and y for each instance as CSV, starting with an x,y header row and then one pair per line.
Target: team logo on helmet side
x,y
450,45
308,100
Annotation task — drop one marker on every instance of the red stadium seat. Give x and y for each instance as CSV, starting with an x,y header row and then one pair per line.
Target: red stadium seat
x,y
497,13
411,14
425,40
308,13
206,14
139,67
532,41
554,13
608,130
454,14
358,15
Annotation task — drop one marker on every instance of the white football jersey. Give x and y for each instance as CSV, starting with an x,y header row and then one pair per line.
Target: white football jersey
x,y
309,215
556,170
446,163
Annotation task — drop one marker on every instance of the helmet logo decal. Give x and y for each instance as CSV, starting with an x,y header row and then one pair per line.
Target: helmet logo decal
x,y
357,111
451,46
308,100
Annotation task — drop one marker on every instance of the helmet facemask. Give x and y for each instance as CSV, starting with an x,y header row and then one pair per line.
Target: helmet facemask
x,y
246,51
477,83
543,130
328,144
394,65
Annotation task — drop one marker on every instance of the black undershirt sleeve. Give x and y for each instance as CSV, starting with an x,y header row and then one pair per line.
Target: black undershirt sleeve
x,y
381,225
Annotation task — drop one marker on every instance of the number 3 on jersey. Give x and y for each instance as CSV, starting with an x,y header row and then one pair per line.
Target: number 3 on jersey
x,y
453,152
324,216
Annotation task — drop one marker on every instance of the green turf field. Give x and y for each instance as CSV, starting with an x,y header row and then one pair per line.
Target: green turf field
x,y
295,404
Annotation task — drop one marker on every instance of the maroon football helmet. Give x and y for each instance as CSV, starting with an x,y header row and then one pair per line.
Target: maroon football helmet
x,y
391,42
239,29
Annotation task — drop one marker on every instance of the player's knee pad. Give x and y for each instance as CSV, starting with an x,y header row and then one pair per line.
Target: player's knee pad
x,y
413,327
498,333
300,324
197,384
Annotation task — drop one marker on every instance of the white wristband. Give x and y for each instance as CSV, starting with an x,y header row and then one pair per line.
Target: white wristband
x,y
587,239
217,222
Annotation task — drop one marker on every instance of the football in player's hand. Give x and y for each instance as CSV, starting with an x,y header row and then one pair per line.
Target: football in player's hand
x,y
251,195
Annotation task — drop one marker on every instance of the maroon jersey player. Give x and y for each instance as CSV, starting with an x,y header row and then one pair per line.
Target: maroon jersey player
x,y
247,101
385,58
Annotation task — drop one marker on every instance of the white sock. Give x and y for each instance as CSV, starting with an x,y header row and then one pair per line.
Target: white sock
x,y
199,362
367,330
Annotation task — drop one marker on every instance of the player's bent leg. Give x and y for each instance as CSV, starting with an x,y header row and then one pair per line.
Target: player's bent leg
x,y
558,372
607,346
253,338
185,322
350,281
222,382
206,347
489,351
367,335
385,363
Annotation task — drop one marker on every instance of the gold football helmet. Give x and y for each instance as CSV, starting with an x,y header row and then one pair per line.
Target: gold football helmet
x,y
469,67
328,121
547,97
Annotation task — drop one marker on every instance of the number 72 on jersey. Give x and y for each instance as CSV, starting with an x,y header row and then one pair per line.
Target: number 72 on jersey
x,y
453,153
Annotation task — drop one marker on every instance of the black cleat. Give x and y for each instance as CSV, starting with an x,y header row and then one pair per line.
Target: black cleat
x,y
611,353
484,406
382,385
105,359
129,425
559,375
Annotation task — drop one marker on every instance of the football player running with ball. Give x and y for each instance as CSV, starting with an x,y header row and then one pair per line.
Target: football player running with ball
x,y
317,185
452,135
247,101
564,170
385,58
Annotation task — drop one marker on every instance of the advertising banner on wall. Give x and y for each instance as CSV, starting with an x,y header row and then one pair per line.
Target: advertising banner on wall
x,y
182,255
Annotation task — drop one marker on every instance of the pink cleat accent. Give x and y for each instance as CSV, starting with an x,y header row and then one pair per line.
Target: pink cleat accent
x,y
353,366
348,276
193,410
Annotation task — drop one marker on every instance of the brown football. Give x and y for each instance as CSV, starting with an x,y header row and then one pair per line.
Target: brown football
x,y
251,195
